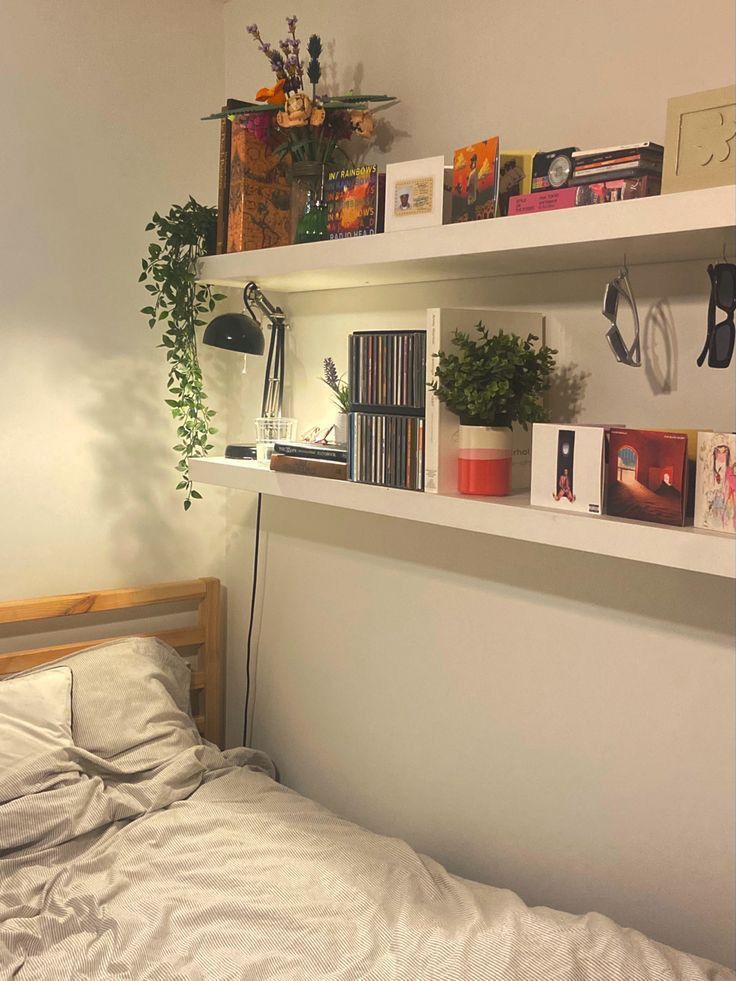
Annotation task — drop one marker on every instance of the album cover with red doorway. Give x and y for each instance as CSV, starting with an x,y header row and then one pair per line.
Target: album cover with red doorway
x,y
647,476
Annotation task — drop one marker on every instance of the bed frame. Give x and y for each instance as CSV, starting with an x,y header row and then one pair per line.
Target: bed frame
x,y
203,638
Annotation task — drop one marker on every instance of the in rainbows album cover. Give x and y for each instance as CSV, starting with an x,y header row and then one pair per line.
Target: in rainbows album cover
x,y
352,199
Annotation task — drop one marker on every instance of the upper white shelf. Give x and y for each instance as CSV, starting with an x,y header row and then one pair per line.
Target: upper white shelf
x,y
670,227
508,517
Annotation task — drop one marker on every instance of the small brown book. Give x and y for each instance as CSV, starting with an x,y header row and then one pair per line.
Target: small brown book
x,y
310,468
259,197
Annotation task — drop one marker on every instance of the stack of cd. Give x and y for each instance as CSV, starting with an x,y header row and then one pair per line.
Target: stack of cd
x,y
386,372
617,163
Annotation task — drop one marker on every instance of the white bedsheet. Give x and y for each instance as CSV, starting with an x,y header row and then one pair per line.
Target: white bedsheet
x,y
202,869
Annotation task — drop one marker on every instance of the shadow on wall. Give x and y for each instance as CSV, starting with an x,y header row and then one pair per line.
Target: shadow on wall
x,y
386,134
554,575
135,469
660,348
567,392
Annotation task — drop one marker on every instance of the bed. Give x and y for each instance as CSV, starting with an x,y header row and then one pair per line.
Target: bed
x,y
132,847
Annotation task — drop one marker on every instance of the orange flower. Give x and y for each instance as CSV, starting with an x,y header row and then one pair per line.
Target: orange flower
x,y
273,96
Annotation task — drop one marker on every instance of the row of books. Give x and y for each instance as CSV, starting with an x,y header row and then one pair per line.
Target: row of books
x,y
386,368
611,163
569,178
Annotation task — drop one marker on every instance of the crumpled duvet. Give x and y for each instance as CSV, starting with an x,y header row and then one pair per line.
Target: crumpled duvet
x,y
205,868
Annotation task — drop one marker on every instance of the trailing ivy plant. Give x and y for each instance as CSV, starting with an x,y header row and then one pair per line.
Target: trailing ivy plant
x,y
179,302
494,381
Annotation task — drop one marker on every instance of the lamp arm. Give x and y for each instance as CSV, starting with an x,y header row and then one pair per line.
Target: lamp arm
x,y
273,382
253,294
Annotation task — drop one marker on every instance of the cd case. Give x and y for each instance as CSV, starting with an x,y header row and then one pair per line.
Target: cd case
x,y
715,482
567,467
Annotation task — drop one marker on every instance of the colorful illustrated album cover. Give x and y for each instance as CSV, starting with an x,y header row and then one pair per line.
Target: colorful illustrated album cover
x,y
715,482
647,475
567,467
475,181
352,201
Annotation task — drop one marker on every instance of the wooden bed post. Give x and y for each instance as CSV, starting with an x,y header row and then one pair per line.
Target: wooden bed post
x,y
209,621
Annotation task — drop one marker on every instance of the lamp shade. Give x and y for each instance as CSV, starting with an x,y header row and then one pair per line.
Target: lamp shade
x,y
235,332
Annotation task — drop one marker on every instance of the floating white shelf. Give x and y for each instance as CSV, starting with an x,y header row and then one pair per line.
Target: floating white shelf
x,y
670,227
510,517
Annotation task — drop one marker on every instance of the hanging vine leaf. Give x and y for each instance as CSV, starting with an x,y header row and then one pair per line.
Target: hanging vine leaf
x,y
179,302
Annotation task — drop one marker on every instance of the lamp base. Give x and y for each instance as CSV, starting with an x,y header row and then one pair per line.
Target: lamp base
x,y
240,451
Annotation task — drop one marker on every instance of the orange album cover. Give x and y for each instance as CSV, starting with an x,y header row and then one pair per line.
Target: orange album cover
x,y
475,181
259,197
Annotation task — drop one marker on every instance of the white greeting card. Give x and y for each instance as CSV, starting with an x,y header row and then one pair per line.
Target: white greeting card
x,y
567,467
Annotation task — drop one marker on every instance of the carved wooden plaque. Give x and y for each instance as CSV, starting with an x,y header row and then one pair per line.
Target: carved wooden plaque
x,y
700,143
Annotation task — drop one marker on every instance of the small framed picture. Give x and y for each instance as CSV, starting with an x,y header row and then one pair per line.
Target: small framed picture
x,y
700,144
414,193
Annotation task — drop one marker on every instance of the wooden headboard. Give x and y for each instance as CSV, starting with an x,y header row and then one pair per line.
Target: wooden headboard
x,y
202,639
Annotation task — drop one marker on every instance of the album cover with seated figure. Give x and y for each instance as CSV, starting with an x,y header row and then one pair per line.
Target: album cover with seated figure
x,y
567,467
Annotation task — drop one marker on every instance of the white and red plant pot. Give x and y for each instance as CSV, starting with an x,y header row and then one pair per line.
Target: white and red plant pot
x,y
484,460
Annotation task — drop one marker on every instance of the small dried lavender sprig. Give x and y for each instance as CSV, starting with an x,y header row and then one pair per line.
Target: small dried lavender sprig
x,y
314,71
276,58
338,386
331,376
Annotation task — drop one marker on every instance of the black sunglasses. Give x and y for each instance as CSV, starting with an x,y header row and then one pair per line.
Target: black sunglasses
x,y
719,340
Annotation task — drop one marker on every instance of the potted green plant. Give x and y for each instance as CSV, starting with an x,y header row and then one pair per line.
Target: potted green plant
x,y
490,384
178,303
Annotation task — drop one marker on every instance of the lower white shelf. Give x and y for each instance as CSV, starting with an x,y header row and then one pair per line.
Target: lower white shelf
x,y
508,517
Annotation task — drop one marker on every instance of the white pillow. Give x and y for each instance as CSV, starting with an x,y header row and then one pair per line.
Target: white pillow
x,y
35,716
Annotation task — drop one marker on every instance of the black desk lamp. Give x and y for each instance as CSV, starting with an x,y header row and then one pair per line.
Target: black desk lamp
x,y
242,332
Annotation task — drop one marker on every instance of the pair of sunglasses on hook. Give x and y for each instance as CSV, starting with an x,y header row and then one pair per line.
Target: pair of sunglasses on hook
x,y
719,341
617,288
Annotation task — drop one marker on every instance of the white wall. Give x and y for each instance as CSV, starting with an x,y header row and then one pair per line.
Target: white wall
x,y
560,724
100,107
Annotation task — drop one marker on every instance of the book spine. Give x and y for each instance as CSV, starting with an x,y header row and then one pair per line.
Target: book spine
x,y
315,452
636,164
282,463
523,204
223,185
595,161
223,188
609,175
235,208
432,407
646,146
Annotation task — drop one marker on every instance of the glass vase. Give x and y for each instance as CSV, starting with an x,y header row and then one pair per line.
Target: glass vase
x,y
308,206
